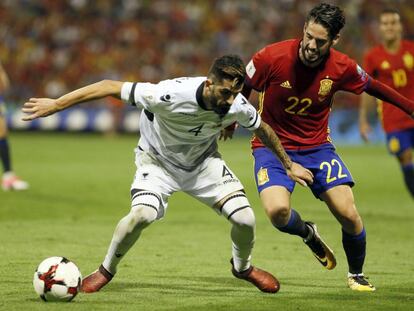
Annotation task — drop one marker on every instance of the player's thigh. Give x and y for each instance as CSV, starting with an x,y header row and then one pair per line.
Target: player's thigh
x,y
405,157
275,200
212,182
3,126
341,203
399,144
152,177
269,172
328,168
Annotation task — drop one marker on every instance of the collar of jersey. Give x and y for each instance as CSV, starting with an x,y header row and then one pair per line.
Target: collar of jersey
x,y
199,96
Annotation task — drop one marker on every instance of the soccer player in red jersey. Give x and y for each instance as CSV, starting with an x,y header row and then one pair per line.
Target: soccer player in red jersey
x,y
297,80
392,63
9,180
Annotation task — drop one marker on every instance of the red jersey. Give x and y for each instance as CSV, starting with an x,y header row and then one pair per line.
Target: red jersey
x,y
396,71
295,99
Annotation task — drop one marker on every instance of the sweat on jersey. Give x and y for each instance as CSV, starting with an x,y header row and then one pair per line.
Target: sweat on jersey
x,y
175,124
295,99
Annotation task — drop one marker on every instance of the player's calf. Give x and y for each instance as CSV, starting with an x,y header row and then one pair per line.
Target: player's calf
x,y
237,210
408,172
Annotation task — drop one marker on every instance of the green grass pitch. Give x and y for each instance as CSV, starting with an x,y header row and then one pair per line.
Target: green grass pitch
x,y
80,189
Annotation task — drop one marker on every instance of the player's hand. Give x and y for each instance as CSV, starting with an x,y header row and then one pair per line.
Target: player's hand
x,y
39,107
364,130
300,174
227,133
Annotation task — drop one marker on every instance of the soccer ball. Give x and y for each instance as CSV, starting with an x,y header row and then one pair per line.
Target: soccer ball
x,y
57,279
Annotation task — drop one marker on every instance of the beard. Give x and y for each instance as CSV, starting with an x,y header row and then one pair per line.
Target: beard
x,y
309,56
221,110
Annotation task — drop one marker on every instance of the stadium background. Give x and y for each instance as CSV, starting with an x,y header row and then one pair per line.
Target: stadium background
x,y
50,47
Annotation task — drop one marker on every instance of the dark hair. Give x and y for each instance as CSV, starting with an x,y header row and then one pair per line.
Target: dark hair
x,y
329,16
228,67
390,11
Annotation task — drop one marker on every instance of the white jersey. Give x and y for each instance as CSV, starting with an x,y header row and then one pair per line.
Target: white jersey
x,y
174,124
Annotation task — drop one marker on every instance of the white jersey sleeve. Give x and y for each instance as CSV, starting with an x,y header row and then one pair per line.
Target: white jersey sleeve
x,y
142,95
247,116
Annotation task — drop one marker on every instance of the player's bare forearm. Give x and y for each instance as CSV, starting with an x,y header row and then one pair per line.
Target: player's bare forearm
x,y
90,92
366,104
295,171
269,138
43,107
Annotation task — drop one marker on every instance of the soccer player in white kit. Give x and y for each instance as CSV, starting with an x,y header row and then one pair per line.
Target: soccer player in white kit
x,y
177,151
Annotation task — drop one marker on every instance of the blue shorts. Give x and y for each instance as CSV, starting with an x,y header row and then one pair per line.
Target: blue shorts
x,y
399,141
325,164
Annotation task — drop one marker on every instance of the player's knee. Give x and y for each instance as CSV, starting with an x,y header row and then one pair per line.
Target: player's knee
x,y
351,221
278,214
142,215
3,126
145,208
406,157
236,208
244,218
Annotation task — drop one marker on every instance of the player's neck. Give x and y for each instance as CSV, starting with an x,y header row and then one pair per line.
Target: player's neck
x,y
392,46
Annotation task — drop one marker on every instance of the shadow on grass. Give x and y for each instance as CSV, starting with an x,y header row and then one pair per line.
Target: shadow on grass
x,y
221,286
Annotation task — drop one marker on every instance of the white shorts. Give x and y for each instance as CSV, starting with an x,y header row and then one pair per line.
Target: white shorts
x,y
209,183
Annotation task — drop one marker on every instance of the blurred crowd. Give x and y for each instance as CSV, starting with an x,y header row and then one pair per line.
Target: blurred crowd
x,y
49,47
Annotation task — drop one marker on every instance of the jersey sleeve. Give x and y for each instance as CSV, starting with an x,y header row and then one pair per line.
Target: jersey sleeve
x,y
257,70
247,116
368,64
355,78
142,95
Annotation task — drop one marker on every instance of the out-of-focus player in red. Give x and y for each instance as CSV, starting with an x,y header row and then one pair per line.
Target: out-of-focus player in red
x,y
392,63
297,80
9,180
116,108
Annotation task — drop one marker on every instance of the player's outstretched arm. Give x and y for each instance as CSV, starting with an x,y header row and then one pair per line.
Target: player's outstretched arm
x,y
43,107
294,170
385,93
366,103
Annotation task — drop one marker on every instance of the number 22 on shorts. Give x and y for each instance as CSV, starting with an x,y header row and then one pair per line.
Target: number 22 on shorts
x,y
329,166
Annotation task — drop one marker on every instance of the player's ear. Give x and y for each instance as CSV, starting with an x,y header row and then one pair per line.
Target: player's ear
x,y
336,39
208,82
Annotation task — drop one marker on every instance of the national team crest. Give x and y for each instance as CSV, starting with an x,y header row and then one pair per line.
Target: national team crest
x,y
385,65
394,145
262,176
408,60
325,88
